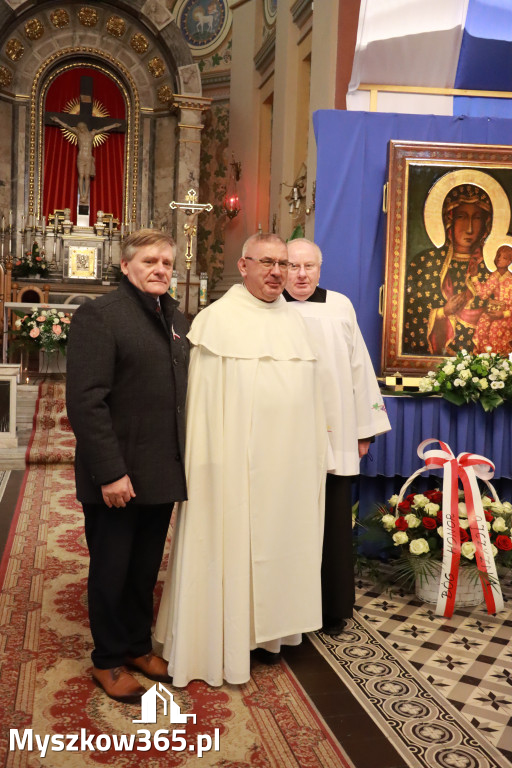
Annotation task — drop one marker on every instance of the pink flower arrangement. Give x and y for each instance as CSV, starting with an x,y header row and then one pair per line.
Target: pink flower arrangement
x,y
46,327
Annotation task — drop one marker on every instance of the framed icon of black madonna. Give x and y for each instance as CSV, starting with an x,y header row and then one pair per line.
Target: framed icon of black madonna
x,y
448,284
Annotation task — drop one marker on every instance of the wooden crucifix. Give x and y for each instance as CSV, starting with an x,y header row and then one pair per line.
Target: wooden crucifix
x,y
191,208
83,128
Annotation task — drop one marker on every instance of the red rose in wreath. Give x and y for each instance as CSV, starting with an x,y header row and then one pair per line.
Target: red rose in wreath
x,y
504,543
401,524
404,506
430,523
464,535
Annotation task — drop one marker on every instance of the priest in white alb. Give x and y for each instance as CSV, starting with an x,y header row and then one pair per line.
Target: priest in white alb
x,y
355,415
244,568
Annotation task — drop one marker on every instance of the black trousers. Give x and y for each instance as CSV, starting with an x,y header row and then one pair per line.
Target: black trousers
x,y
125,548
338,582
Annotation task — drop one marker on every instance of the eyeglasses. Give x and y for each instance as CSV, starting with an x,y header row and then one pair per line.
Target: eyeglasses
x,y
270,263
309,267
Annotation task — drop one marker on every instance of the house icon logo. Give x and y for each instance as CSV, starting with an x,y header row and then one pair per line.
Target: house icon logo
x,y
149,706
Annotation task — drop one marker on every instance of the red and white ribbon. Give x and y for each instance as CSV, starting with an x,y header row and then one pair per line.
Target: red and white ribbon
x,y
467,467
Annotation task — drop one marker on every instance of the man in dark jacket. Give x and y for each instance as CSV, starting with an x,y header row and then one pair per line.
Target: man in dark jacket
x,y
126,385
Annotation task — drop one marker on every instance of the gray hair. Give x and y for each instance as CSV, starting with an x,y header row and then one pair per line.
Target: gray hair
x,y
308,242
263,237
143,237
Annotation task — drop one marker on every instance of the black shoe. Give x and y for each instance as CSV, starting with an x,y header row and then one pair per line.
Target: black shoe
x,y
266,657
334,627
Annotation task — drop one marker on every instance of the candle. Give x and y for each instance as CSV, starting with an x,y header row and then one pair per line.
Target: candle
x,y
10,218
23,221
3,223
44,224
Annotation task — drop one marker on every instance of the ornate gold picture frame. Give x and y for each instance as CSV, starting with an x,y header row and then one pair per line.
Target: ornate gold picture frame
x,y
449,211
82,262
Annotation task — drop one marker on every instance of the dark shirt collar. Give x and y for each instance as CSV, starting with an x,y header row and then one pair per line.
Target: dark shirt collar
x,y
319,295
147,300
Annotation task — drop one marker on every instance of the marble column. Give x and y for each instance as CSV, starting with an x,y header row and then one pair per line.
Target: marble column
x,y
188,149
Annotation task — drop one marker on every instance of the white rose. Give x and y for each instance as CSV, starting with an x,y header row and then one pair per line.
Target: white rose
x,y
463,523
494,550
507,507
400,537
440,531
60,314
461,366
483,384
393,501
496,507
475,379
18,323
458,383
486,501
499,525
419,500
449,368
412,520
468,549
431,509
463,512
419,546
495,370
388,521
466,374
425,385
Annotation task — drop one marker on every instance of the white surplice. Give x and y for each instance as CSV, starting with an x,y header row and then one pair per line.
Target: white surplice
x,y
352,399
244,568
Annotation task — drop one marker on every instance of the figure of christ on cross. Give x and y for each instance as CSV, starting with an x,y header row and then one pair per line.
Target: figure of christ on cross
x,y
85,127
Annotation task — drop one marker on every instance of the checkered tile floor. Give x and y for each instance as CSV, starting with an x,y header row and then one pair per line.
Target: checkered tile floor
x,y
440,689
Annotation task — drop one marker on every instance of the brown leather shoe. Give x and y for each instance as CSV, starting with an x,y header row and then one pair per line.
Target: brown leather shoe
x,y
119,684
151,666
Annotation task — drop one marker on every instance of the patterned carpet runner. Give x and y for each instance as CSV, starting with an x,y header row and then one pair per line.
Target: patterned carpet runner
x,y
47,696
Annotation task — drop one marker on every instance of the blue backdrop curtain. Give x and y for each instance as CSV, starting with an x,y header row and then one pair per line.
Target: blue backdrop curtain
x,y
351,172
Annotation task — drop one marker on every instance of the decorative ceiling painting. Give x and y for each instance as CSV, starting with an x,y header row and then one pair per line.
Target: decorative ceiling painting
x,y
203,23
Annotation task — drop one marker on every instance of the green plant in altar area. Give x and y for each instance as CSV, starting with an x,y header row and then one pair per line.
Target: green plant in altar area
x,y
485,378
44,328
414,530
32,263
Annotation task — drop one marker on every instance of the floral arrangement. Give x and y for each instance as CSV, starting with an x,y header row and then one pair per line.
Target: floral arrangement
x,y
417,532
485,378
32,263
46,328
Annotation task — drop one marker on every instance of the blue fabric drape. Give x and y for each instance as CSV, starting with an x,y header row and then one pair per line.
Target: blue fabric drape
x,y
351,171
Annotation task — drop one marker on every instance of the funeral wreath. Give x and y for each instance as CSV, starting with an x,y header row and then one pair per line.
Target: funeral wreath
x,y
414,529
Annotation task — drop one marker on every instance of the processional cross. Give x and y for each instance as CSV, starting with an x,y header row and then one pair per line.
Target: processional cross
x,y
191,208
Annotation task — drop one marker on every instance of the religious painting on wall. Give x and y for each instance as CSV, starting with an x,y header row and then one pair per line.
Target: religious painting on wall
x,y
82,262
448,284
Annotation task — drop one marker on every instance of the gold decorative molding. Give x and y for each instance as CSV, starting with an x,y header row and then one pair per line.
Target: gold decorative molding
x,y
375,88
14,50
195,103
164,94
59,18
37,98
88,16
34,29
116,26
156,66
139,43
5,77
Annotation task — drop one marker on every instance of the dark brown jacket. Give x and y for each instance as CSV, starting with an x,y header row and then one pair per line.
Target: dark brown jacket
x,y
126,389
